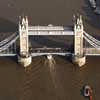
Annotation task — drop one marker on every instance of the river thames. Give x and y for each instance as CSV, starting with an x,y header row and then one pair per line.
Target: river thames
x,y
45,80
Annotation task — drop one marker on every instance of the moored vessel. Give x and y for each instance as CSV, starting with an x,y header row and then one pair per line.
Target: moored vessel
x,y
93,3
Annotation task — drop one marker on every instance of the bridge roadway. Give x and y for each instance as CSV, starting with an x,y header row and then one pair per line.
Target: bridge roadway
x,y
56,51
49,51
63,52
50,30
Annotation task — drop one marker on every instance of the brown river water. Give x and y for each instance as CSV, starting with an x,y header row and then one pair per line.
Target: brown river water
x,y
46,80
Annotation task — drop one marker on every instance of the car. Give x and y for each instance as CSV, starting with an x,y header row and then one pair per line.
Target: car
x,y
87,91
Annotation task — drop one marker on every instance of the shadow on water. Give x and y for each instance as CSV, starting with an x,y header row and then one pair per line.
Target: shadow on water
x,y
12,58
7,26
50,42
15,60
92,18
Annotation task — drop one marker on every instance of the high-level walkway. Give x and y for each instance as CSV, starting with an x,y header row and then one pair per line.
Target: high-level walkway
x,y
50,30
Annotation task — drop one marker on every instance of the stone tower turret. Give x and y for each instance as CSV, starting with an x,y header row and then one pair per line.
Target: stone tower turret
x,y
24,57
78,56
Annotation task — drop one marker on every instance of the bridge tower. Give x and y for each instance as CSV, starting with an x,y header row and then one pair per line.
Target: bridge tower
x,y
24,57
78,56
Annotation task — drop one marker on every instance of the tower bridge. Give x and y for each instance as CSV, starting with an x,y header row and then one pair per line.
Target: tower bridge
x,y
8,46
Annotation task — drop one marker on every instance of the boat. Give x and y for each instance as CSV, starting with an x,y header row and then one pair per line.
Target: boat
x,y
49,57
93,3
97,10
87,91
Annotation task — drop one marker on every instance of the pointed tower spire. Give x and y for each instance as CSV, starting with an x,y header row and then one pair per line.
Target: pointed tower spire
x,y
79,57
24,57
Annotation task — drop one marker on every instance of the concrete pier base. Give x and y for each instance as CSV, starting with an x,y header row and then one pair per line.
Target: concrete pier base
x,y
25,61
80,61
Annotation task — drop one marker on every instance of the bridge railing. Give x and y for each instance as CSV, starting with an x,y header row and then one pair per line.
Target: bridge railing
x,y
48,50
56,32
45,28
92,51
